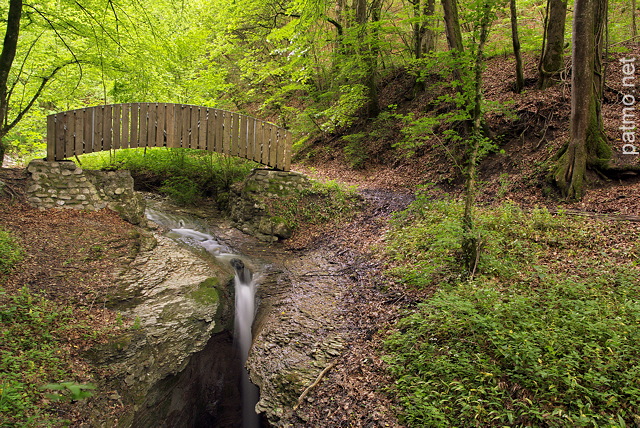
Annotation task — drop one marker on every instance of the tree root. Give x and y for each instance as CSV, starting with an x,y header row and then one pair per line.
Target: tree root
x,y
8,190
313,385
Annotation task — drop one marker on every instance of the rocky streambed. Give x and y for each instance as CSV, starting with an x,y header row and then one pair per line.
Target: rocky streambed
x,y
178,364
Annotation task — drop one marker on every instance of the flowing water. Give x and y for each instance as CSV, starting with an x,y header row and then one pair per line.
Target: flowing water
x,y
190,232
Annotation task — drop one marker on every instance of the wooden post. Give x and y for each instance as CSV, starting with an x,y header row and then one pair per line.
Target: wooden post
x,y
51,137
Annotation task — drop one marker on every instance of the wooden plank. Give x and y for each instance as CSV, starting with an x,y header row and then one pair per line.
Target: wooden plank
x,y
152,123
70,135
178,125
257,154
194,132
202,129
273,149
161,130
185,124
143,129
51,137
88,129
78,131
117,126
170,125
280,144
264,144
287,151
98,117
226,142
251,137
211,130
219,124
126,132
134,141
242,137
60,135
107,127
235,134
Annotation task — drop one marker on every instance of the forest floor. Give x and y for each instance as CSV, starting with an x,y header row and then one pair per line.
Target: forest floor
x,y
72,255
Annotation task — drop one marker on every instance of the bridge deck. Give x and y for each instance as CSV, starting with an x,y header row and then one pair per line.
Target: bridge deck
x,y
119,126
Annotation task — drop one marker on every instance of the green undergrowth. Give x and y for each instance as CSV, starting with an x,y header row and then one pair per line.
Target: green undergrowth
x,y
10,252
321,203
33,359
546,334
185,175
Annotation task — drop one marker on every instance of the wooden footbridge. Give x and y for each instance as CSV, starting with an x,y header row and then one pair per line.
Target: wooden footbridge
x,y
121,126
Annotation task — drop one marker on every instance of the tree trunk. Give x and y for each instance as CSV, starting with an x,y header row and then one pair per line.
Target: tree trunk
x,y
516,47
7,56
454,34
634,28
369,50
452,25
587,145
423,33
470,240
552,58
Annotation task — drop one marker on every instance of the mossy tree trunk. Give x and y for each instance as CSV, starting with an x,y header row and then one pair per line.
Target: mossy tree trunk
x,y
515,39
587,147
552,58
424,36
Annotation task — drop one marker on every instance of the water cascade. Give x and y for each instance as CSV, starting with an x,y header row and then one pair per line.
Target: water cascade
x,y
245,291
245,288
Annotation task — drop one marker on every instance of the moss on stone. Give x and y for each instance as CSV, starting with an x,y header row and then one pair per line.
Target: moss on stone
x,y
207,292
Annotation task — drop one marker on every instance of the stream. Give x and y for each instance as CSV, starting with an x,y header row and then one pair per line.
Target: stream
x,y
193,233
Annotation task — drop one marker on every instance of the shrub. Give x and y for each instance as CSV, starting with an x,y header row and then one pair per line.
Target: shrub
x,y
211,174
31,355
548,334
322,203
182,190
10,252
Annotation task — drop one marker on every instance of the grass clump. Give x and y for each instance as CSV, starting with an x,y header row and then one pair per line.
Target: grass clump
x,y
185,175
32,357
318,204
547,333
10,252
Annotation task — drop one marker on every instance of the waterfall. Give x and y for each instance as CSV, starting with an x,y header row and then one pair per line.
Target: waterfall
x,y
245,288
245,292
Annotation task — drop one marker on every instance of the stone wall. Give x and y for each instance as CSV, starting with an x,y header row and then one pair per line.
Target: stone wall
x,y
250,199
62,184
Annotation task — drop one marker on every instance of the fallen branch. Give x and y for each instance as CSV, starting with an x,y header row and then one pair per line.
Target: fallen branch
x,y
313,385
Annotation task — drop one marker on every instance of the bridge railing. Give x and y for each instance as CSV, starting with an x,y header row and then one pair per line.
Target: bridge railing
x,y
119,126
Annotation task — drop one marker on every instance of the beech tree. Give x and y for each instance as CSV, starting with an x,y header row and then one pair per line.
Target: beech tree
x,y
552,58
7,57
587,147
515,41
424,35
